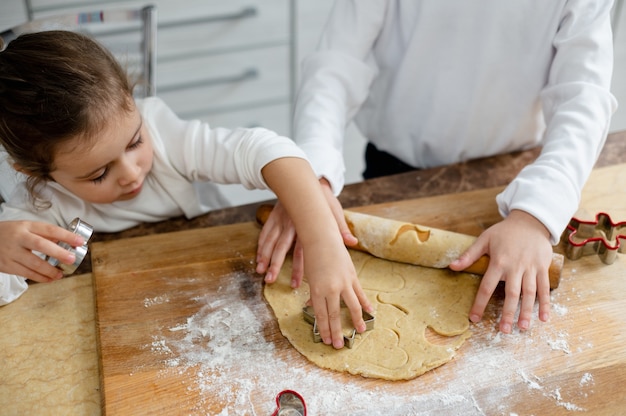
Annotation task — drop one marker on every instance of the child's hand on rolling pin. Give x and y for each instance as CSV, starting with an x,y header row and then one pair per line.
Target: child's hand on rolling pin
x,y
519,253
21,238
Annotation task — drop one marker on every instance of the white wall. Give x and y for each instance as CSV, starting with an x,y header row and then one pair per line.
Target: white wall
x,y
618,86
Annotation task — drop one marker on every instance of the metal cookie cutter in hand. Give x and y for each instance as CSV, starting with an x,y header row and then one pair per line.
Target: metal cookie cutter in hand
x,y
601,236
77,226
309,316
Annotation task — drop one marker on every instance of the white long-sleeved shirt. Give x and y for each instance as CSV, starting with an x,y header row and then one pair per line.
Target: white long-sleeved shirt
x,y
189,158
438,82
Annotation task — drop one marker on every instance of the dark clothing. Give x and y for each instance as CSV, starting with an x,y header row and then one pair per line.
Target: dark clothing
x,y
379,163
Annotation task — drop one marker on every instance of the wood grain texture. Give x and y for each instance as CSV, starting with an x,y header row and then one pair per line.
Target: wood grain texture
x,y
147,287
49,363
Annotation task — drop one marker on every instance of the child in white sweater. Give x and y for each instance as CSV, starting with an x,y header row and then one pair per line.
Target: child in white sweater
x,y
85,148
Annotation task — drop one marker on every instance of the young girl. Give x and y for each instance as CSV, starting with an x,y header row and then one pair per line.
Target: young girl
x,y
86,149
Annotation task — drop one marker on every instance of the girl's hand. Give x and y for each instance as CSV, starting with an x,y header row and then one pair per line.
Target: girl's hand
x,y
275,240
278,235
332,278
327,263
519,253
21,238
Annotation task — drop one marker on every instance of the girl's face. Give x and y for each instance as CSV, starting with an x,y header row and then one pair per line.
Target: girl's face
x,y
113,167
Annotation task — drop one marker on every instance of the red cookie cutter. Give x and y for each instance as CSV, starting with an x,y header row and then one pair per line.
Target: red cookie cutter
x,y
289,403
601,237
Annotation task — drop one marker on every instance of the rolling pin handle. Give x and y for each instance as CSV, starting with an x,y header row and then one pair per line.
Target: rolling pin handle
x,y
263,212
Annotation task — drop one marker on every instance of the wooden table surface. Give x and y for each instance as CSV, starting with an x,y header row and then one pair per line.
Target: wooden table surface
x,y
43,372
168,304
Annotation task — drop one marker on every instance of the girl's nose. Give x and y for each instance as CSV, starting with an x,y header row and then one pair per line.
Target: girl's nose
x,y
129,172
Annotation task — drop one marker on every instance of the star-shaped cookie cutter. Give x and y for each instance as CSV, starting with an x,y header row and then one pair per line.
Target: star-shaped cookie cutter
x,y
348,341
601,237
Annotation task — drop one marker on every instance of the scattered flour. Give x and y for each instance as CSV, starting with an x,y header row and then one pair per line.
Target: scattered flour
x,y
556,394
157,300
586,379
159,347
532,384
560,310
560,343
228,360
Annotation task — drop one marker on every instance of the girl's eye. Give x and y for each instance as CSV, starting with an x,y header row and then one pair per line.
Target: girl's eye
x,y
136,143
100,178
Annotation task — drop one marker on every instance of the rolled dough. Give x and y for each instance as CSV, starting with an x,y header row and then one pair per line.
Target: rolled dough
x,y
407,299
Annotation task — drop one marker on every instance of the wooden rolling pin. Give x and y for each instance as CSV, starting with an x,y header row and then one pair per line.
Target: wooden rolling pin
x,y
415,244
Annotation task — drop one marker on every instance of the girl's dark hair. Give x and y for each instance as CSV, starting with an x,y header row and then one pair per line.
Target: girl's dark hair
x,y
55,86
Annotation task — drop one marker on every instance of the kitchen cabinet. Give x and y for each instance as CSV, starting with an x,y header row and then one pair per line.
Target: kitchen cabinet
x,y
12,13
217,61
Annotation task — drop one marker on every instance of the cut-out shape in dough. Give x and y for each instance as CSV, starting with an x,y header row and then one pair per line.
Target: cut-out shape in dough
x,y
408,301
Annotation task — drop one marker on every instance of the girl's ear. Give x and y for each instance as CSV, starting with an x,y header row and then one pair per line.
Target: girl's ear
x,y
20,169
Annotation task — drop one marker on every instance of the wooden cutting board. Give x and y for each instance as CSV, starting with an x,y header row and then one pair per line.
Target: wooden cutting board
x,y
183,329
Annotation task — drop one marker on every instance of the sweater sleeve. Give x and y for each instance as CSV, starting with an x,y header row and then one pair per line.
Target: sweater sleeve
x,y
577,106
11,288
201,152
335,83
